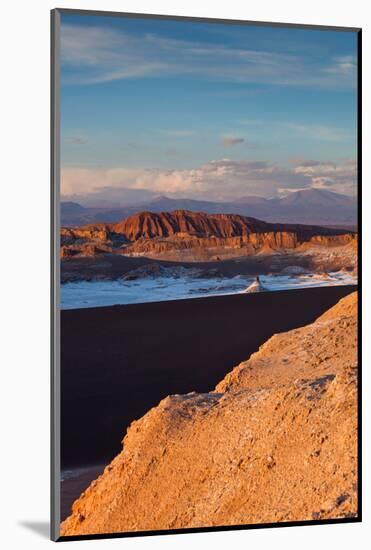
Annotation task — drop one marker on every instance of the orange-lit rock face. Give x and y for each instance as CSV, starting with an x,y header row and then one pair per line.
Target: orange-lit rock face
x,y
96,233
166,224
158,233
150,225
248,244
333,240
276,441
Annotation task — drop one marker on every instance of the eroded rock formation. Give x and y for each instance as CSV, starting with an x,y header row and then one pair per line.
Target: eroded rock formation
x,y
276,441
195,234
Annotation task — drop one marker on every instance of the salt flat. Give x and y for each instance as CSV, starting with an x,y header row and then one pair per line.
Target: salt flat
x,y
85,294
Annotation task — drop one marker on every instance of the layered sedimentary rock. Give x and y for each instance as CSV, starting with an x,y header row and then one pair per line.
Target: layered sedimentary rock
x,y
334,240
276,441
156,234
85,249
99,232
251,243
167,224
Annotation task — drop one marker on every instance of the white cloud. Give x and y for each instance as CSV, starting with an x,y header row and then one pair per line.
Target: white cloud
x,y
101,54
340,177
223,179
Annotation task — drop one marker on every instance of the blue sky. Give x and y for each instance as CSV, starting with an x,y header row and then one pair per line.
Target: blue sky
x,y
210,111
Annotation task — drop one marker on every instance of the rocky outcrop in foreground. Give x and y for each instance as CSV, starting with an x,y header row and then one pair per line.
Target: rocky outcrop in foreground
x,y
276,441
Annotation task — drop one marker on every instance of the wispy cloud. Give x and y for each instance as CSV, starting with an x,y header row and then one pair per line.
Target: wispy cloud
x,y
315,132
311,164
319,132
342,65
101,54
230,140
222,179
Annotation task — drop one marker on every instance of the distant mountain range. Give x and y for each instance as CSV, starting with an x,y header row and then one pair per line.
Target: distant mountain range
x,y
312,206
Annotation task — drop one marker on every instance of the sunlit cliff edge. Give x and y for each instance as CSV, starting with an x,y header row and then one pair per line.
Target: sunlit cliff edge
x,y
276,441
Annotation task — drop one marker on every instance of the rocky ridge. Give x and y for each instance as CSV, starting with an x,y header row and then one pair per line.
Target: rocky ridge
x,y
276,441
185,235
